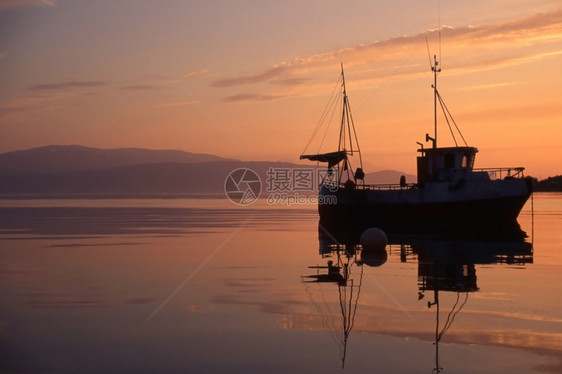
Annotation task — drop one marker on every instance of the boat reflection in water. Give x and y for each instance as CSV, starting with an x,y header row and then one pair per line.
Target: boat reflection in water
x,y
444,265
342,273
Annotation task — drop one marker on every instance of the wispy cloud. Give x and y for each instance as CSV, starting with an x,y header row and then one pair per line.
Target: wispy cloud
x,y
11,4
480,87
139,87
48,97
252,97
269,74
509,35
59,86
30,105
198,73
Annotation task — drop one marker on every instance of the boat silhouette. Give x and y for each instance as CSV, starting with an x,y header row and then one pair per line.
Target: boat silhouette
x,y
450,194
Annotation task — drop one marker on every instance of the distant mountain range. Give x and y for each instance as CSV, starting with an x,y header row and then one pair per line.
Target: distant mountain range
x,y
77,170
55,159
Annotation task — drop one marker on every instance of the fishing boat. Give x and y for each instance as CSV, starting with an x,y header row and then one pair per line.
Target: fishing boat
x,y
449,196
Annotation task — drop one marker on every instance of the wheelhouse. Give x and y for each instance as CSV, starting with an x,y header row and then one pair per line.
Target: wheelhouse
x,y
440,163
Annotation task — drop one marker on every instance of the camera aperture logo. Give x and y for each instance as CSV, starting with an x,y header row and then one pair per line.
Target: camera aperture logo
x,y
285,186
242,186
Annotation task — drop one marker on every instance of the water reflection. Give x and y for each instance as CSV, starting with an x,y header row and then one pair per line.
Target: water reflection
x,y
449,266
342,273
443,265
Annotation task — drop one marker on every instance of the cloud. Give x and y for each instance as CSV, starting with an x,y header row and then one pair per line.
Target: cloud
x,y
194,74
30,105
11,4
474,46
138,87
66,85
266,75
45,98
252,97
480,87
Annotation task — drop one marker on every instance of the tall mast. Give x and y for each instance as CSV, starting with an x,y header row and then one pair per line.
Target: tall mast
x,y
435,70
342,124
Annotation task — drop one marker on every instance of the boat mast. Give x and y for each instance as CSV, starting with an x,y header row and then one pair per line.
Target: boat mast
x,y
342,130
347,127
346,146
435,69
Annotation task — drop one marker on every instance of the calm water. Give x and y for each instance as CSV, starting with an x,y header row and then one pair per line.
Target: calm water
x,y
196,286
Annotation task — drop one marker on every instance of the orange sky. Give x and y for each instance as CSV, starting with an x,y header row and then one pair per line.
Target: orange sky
x,y
250,80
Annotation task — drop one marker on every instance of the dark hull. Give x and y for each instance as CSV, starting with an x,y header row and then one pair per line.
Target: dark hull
x,y
353,211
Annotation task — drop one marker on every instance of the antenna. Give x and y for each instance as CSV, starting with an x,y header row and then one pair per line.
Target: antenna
x,y
436,69
439,28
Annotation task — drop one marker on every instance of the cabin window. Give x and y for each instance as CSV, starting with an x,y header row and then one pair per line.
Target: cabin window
x,y
464,161
449,161
469,160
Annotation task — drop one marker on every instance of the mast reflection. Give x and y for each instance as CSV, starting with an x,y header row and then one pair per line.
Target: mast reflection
x,y
443,265
450,266
342,273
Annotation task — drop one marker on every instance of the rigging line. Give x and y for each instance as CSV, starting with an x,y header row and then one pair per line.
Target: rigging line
x,y
349,121
342,124
343,306
334,240
325,315
201,265
437,314
357,142
447,326
460,308
311,299
350,303
324,114
383,84
370,275
447,118
357,298
348,325
349,309
452,119
532,218
342,310
334,109
216,121
330,322
373,94
428,52
389,294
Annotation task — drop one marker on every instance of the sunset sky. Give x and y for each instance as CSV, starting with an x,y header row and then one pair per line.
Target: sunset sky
x,y
249,79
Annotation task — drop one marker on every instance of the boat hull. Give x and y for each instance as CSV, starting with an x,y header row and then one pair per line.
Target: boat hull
x,y
489,209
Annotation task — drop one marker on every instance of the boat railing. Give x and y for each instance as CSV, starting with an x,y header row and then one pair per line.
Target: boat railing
x,y
386,187
503,173
383,187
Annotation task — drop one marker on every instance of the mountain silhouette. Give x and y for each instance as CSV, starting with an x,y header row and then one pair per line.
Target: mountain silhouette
x,y
78,170
57,159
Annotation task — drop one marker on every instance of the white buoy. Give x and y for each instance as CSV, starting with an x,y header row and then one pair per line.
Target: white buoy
x,y
373,239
